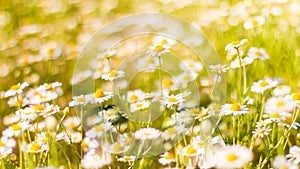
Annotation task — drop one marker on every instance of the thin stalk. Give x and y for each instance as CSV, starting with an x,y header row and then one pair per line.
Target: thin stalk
x,y
159,75
240,72
215,84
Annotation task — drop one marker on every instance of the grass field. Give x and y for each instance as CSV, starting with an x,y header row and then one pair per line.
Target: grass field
x,y
71,97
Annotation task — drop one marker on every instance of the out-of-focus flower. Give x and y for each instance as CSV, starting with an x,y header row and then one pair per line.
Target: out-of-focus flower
x,y
235,44
294,155
233,109
127,159
280,162
190,65
36,147
254,22
93,160
147,134
219,68
258,53
80,100
81,76
281,90
166,158
262,85
244,62
140,105
234,156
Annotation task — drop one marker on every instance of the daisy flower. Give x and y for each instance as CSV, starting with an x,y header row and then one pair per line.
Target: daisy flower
x,y
36,147
294,98
168,83
16,101
148,63
190,65
109,114
27,114
163,40
127,159
75,137
166,158
183,117
172,132
71,122
45,110
275,116
191,151
147,134
159,49
10,119
261,131
16,89
234,156
233,109
254,22
135,95
185,78
294,155
98,130
16,129
113,75
281,90
107,55
101,68
117,147
80,100
101,96
258,53
81,76
235,44
89,143
219,68
244,61
93,160
140,105
278,104
51,50
280,162
173,100
262,85
6,146
202,114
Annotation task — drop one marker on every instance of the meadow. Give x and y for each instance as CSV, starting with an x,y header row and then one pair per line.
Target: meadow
x,y
190,84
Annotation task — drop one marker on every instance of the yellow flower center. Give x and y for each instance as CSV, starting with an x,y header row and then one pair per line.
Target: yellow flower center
x,y
263,84
118,147
50,51
235,43
38,107
72,124
158,48
288,120
168,82
191,65
200,144
35,146
112,73
84,144
164,41
170,156
99,93
254,22
190,150
187,78
172,99
275,115
15,87
147,134
232,157
281,104
283,167
81,99
258,53
128,159
296,96
150,61
139,105
133,97
18,102
2,144
16,127
99,128
172,131
235,107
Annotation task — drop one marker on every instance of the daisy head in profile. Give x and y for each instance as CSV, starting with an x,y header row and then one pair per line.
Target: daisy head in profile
x,y
235,44
233,109
147,134
16,89
113,75
219,68
262,85
233,156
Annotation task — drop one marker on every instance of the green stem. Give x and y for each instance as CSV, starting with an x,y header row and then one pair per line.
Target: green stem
x,y
159,75
240,72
